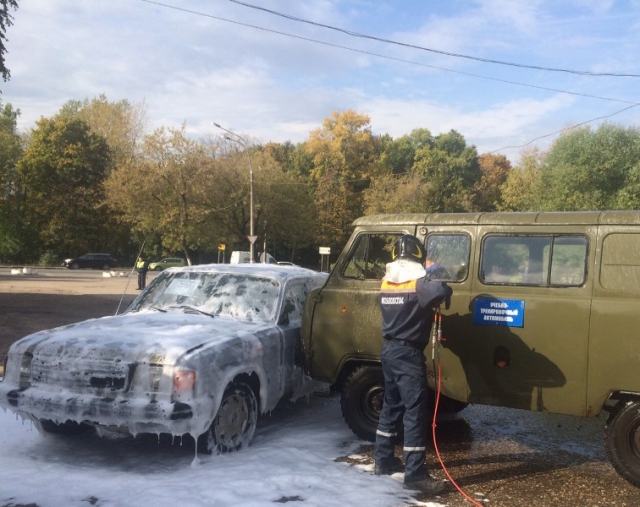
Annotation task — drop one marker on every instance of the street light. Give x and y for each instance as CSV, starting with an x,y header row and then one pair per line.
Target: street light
x,y
243,142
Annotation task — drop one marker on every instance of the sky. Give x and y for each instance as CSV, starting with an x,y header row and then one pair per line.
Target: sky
x,y
298,453
272,78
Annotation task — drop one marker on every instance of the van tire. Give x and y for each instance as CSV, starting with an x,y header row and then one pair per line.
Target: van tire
x,y
363,395
361,401
622,441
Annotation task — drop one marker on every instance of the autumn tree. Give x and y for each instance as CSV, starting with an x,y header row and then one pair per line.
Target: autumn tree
x,y
345,158
396,194
522,189
487,191
164,192
284,216
61,174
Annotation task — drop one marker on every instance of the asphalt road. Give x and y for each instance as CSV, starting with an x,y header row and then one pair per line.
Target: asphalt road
x,y
500,457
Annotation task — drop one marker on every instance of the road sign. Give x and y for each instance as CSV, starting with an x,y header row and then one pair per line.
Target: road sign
x,y
222,246
252,239
325,250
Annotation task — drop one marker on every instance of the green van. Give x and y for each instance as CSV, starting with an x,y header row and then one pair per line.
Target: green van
x,y
545,316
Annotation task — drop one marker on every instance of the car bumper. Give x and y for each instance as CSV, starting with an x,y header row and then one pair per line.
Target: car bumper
x,y
134,415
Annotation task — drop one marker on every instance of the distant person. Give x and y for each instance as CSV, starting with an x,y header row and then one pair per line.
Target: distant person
x,y
142,266
407,298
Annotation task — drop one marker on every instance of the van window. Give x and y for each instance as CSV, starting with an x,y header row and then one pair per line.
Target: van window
x,y
450,255
620,268
546,261
369,258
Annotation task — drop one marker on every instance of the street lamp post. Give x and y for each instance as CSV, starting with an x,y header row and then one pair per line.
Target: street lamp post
x,y
243,142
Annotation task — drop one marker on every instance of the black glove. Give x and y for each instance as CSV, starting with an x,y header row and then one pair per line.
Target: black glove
x,y
447,298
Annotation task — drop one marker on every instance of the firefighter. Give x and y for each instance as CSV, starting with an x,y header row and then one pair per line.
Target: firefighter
x,y
142,266
407,298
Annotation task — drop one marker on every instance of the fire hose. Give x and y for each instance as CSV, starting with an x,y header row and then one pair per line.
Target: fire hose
x,y
437,367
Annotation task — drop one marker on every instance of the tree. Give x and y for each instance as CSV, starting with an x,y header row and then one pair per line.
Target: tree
x,y
522,188
494,171
165,191
345,158
588,170
61,174
399,154
5,22
395,194
120,123
450,169
13,236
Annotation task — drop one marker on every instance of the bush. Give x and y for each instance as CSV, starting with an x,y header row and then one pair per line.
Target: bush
x,y
49,258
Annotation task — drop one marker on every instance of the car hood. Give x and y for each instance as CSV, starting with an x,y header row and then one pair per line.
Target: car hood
x,y
137,335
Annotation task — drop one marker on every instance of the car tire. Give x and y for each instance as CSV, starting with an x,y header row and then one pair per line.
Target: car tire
x,y
66,428
106,267
622,441
234,424
361,401
74,265
158,268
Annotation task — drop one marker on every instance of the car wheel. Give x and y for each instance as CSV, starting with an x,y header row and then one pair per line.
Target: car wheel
x,y
66,428
234,424
622,440
74,265
106,267
158,268
361,401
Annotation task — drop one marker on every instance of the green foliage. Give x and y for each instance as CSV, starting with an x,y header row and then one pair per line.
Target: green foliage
x,y
450,169
49,258
591,170
89,181
5,22
61,175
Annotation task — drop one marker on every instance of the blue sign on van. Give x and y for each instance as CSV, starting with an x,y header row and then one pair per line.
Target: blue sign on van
x,y
499,312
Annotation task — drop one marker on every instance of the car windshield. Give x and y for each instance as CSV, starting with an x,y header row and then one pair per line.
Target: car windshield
x,y
225,294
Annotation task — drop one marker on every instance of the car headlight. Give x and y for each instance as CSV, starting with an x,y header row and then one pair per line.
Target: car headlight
x,y
184,380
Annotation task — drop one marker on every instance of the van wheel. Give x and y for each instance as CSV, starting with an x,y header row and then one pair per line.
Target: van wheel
x,y
622,440
363,396
361,401
234,424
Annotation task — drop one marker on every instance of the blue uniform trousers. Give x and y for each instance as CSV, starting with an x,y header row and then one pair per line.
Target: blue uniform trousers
x,y
405,401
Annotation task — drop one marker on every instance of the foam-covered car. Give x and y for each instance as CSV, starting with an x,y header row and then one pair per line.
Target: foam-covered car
x,y
202,351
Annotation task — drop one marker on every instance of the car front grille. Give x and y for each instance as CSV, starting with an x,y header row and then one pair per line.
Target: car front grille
x,y
112,376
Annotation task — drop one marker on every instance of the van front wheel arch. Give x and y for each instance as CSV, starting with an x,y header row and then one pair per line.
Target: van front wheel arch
x,y
622,440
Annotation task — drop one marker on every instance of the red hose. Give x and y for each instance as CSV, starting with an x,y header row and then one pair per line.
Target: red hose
x,y
438,337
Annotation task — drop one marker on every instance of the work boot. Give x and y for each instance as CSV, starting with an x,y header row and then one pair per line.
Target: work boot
x,y
427,485
388,467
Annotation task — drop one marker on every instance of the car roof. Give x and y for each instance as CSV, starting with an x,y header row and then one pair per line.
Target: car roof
x,y
273,271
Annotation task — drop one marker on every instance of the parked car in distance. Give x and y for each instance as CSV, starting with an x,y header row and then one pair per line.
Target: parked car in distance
x,y
92,261
203,350
169,262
